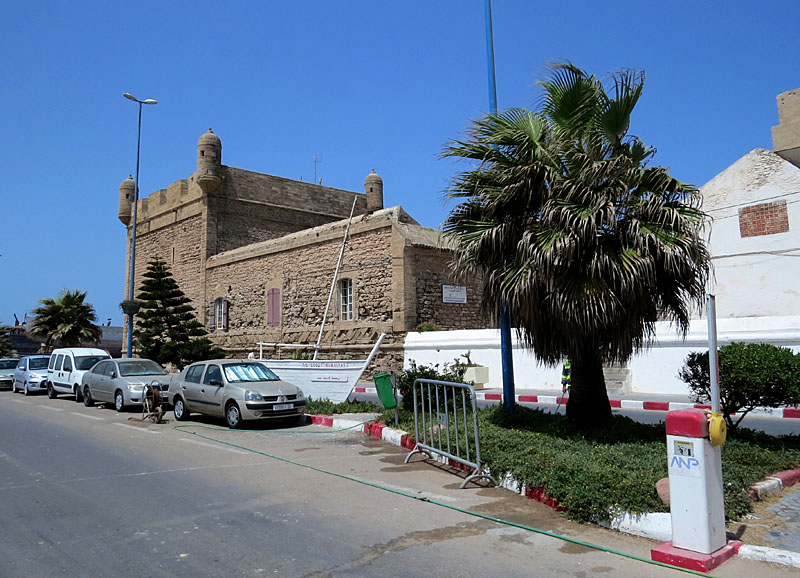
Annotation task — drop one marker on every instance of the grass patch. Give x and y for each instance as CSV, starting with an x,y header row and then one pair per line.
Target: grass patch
x,y
594,473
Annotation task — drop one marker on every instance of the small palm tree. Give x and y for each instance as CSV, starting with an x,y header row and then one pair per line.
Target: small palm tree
x,y
67,319
587,244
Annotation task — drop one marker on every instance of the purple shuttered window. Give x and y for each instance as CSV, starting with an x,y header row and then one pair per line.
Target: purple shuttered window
x,y
273,307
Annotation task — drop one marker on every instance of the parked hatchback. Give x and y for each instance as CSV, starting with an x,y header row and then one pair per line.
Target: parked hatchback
x,y
123,381
31,374
7,368
237,390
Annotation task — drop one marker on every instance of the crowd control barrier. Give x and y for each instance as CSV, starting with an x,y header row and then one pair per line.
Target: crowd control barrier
x,y
442,423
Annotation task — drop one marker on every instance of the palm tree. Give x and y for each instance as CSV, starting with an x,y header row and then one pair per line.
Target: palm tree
x,y
587,244
67,319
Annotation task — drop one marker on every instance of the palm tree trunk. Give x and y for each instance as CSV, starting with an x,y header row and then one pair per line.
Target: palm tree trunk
x,y
588,405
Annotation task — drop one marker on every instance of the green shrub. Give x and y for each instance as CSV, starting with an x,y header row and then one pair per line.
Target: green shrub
x,y
405,381
750,375
326,406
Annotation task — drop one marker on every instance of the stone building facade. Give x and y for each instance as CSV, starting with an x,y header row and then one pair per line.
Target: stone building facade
x,y
257,254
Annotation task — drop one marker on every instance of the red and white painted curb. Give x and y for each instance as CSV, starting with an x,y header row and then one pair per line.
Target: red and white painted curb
x,y
655,526
790,412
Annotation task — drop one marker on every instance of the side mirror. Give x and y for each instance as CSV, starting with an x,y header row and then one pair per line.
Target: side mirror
x,y
217,382
113,375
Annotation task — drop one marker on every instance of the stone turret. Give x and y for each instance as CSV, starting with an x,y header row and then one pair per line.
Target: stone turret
x,y
786,136
373,187
209,162
127,190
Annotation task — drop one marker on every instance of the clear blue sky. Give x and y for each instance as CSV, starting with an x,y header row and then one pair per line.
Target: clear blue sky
x,y
361,84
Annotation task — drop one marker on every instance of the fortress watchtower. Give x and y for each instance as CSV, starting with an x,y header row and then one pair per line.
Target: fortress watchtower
x,y
209,162
373,187
127,190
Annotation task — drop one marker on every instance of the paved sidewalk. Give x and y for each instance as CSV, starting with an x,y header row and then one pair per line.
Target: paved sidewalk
x,y
775,540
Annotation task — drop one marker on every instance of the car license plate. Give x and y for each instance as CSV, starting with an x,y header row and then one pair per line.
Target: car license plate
x,y
280,406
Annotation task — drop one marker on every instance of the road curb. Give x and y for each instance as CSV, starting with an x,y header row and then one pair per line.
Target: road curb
x,y
654,525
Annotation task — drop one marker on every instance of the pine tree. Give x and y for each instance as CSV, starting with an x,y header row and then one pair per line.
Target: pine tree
x,y
167,329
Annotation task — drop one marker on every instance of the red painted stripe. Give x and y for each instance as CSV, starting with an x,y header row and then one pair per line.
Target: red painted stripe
x,y
788,477
791,412
361,390
615,402
702,406
528,398
562,400
657,405
494,396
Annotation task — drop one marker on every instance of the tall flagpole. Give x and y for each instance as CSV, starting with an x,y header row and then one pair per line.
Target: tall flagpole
x,y
506,349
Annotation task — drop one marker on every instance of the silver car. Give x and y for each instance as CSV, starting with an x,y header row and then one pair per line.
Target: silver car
x,y
7,368
122,382
237,390
31,374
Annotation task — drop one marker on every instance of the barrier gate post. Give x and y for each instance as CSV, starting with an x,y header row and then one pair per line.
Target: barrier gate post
x,y
697,505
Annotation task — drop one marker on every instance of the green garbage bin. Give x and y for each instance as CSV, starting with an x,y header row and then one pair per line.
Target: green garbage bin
x,y
383,382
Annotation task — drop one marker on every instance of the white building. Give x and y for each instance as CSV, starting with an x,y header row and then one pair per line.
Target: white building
x,y
755,248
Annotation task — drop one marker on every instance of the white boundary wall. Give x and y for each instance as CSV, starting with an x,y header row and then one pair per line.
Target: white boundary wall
x,y
652,371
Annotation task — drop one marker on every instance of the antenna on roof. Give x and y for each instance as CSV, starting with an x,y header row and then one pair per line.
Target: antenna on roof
x,y
316,160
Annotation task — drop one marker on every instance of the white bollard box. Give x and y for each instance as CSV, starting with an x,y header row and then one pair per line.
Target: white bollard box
x,y
695,483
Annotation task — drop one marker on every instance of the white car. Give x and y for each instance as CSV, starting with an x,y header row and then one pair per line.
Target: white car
x,y
31,374
67,366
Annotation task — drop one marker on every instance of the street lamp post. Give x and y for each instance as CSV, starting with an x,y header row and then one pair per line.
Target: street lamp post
x,y
135,206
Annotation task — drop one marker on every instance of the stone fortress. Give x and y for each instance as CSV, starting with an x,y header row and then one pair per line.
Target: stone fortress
x,y
257,253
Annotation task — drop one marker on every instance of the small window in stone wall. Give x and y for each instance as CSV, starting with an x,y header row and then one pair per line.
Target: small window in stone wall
x,y
273,307
218,314
345,299
763,219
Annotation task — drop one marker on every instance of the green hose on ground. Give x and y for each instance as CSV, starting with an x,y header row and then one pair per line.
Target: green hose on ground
x,y
184,429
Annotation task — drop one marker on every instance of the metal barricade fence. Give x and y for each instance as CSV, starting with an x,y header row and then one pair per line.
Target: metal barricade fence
x,y
436,409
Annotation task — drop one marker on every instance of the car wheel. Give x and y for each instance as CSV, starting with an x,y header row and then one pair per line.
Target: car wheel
x,y
27,391
13,387
87,397
51,393
119,401
78,393
233,416
179,409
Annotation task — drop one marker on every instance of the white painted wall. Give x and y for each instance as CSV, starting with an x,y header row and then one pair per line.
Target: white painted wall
x,y
652,371
754,276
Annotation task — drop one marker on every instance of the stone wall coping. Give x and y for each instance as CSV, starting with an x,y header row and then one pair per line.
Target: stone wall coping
x,y
413,232
751,329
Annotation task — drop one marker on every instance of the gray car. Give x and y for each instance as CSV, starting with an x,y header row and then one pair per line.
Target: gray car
x,y
7,368
31,374
122,382
237,390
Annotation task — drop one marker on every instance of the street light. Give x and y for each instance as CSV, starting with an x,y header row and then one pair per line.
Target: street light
x,y
135,205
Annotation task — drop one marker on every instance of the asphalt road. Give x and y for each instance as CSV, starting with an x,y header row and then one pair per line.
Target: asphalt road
x,y
86,492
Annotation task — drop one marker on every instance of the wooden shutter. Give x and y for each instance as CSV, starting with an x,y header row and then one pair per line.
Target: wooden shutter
x,y
274,307
212,317
225,313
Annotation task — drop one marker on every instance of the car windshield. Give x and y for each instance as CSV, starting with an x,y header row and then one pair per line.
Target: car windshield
x,y
8,363
38,363
140,367
238,372
87,361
